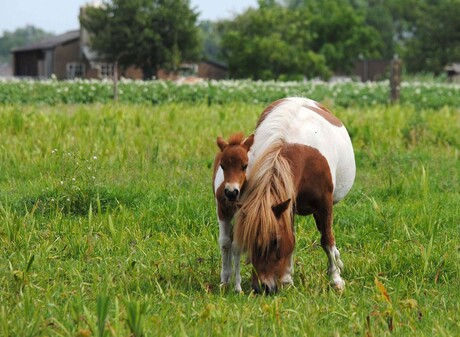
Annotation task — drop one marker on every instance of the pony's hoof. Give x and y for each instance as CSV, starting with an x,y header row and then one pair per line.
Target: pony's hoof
x,y
286,280
238,289
338,285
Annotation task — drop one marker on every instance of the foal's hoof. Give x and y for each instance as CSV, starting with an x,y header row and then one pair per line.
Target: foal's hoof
x,y
238,289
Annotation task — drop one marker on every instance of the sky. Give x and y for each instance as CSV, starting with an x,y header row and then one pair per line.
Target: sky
x,y
60,16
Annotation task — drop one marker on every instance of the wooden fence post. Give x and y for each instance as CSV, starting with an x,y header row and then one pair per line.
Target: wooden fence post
x,y
395,79
115,81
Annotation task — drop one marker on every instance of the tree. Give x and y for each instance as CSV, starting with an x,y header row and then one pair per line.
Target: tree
x,y
436,38
341,34
211,35
288,39
148,34
20,37
271,42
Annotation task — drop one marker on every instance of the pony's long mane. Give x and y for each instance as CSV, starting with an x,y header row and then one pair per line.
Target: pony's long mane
x,y
270,184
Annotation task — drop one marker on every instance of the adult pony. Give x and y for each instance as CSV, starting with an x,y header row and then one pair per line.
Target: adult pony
x,y
229,179
302,162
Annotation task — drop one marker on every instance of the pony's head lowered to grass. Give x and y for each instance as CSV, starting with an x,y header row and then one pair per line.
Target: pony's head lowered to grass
x,y
264,226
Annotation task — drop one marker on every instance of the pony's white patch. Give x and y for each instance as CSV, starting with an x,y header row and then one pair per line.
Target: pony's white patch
x,y
219,179
293,122
335,265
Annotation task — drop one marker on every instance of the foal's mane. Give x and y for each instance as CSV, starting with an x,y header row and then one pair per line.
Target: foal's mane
x,y
270,183
236,139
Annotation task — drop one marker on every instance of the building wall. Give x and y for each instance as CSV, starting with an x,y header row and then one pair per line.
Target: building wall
x,y
26,63
211,71
63,54
372,70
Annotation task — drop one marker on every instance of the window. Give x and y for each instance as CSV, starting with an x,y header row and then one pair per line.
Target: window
x,y
75,70
105,70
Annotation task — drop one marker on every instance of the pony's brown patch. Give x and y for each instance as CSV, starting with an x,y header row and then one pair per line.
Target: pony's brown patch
x,y
326,114
311,177
269,109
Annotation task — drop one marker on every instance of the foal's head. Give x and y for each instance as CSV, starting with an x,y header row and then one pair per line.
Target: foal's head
x,y
271,261
234,162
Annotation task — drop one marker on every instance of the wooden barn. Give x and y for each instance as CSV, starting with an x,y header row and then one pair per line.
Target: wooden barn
x,y
51,56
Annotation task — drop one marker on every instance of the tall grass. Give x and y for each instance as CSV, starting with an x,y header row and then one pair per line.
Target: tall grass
x,y
108,227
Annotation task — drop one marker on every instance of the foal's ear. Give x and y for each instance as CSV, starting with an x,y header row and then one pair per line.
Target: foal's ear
x,y
248,142
279,209
222,144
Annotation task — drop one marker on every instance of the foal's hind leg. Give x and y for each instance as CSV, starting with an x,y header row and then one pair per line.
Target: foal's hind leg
x,y
323,220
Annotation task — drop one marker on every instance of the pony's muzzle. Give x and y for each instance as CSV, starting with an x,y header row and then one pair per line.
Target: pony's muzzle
x,y
265,289
231,194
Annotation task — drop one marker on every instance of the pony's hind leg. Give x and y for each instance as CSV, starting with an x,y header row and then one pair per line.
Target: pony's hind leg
x,y
323,220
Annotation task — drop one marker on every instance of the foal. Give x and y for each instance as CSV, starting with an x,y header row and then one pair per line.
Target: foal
x,y
229,178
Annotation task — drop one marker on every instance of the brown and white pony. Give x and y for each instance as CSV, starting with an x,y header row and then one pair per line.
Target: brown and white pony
x,y
229,179
302,162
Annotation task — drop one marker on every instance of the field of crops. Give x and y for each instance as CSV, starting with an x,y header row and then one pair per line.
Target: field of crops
x,y
419,94
108,224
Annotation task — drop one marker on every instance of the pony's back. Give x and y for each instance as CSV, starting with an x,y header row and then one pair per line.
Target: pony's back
x,y
303,121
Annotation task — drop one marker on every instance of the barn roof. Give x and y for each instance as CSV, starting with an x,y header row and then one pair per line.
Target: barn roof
x,y
51,42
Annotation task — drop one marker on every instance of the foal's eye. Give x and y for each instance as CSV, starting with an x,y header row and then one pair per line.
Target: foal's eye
x,y
245,167
221,166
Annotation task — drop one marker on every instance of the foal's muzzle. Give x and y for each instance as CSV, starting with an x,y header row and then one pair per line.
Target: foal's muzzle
x,y
231,195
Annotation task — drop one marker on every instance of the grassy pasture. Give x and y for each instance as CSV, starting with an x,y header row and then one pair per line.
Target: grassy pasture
x,y
108,226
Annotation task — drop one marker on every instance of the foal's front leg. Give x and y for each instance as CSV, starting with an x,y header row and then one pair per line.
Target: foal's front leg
x,y
323,220
236,264
225,243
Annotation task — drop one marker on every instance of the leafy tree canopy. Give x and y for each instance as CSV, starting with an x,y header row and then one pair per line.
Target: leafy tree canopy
x,y
436,38
20,37
146,33
309,38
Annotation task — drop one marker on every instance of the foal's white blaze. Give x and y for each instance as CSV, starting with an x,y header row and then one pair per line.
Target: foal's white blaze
x,y
218,180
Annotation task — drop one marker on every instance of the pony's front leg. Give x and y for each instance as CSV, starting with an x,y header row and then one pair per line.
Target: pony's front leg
x,y
287,277
236,264
225,243
323,221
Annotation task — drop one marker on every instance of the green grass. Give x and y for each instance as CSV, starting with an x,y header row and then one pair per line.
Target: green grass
x,y
108,227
